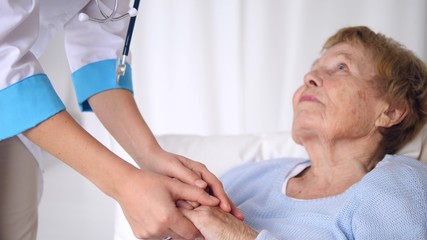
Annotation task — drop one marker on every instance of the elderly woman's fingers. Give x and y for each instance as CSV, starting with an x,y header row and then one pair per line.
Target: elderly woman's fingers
x,y
200,218
216,224
180,228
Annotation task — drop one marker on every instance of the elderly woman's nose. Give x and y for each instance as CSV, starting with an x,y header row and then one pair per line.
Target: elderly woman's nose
x,y
313,79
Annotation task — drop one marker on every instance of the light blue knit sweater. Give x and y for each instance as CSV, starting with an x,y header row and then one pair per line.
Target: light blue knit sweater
x,y
390,202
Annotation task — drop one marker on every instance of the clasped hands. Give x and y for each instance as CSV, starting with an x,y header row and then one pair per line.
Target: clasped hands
x,y
167,198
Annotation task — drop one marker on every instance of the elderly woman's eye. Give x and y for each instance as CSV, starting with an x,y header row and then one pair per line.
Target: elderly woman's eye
x,y
342,66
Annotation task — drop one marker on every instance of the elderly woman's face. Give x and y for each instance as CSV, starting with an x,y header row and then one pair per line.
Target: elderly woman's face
x,y
338,99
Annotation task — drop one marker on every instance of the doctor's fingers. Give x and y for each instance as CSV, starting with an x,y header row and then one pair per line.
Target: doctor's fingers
x,y
190,193
214,186
235,211
187,171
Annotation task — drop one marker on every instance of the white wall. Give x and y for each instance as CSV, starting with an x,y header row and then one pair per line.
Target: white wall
x,y
231,66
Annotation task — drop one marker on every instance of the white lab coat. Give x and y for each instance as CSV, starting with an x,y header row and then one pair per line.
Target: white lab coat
x,y
26,96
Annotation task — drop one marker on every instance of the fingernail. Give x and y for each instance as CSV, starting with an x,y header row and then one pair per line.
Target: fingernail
x,y
184,204
200,183
214,198
225,206
241,216
194,204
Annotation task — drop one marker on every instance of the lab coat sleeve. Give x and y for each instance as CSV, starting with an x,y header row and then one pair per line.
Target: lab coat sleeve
x,y
27,97
92,49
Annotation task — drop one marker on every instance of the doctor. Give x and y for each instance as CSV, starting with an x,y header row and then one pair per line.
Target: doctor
x,y
31,110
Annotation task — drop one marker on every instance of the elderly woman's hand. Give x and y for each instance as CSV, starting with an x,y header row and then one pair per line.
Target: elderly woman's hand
x,y
215,224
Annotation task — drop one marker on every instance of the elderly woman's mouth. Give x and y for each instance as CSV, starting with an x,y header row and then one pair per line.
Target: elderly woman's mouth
x,y
308,98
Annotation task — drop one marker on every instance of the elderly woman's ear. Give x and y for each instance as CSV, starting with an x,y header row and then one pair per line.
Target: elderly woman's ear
x,y
392,116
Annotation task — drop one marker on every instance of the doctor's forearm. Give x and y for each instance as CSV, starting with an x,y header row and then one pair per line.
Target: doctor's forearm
x,y
118,112
61,136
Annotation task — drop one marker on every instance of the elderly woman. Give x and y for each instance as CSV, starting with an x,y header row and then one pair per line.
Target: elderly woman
x,y
363,99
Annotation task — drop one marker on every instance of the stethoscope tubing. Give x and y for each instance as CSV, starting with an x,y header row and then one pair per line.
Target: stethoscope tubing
x,y
121,60
130,30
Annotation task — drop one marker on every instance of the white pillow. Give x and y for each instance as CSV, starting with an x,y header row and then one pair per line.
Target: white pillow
x,y
222,152
417,148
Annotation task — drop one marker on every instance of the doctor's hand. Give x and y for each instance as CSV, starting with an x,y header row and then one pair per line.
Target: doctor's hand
x,y
119,113
215,224
190,172
148,201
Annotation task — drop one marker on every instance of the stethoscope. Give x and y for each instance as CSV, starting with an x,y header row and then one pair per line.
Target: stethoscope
x,y
121,60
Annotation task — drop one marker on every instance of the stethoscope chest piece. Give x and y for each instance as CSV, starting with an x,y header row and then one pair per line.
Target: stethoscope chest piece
x,y
120,67
121,60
